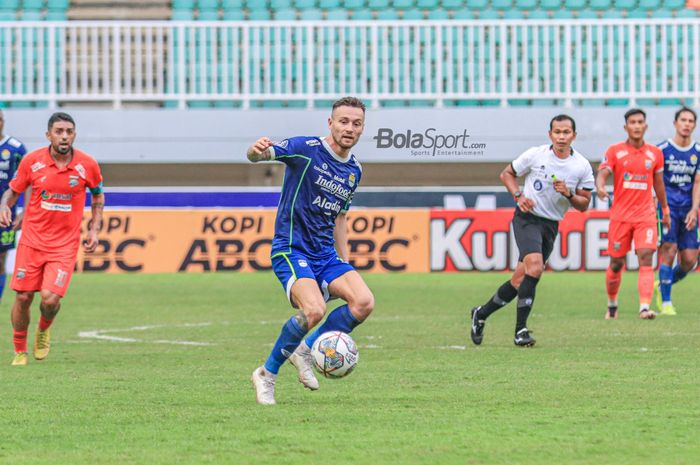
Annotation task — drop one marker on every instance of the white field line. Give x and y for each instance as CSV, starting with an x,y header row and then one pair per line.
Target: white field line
x,y
104,334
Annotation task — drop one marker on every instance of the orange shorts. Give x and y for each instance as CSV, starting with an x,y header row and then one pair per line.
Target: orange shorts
x,y
36,270
621,234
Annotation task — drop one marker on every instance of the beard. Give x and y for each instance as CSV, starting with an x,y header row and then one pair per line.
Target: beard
x,y
62,149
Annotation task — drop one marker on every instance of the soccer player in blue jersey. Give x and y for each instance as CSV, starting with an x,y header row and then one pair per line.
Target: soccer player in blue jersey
x,y
683,192
11,152
309,249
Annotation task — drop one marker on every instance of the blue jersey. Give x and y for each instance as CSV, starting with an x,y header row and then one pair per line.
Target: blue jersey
x,y
318,185
680,169
11,153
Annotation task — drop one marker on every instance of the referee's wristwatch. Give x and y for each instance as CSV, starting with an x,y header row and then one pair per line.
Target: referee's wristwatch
x,y
516,195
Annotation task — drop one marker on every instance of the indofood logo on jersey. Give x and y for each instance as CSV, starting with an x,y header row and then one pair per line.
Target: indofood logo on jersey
x,y
429,142
332,187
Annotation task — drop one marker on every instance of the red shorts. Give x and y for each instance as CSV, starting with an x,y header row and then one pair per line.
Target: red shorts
x,y
621,234
36,270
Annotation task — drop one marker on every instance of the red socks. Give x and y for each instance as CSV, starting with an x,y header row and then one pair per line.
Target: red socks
x,y
44,323
645,285
612,283
20,341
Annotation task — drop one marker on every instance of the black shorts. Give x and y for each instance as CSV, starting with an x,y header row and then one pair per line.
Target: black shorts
x,y
534,234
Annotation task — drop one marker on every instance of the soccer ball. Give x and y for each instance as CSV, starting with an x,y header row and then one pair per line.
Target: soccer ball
x,y
335,354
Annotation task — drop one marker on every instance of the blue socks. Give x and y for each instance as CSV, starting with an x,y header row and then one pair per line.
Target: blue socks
x,y
340,319
665,282
668,277
289,339
3,278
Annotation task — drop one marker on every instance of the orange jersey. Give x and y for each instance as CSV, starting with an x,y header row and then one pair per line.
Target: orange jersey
x,y
55,210
633,180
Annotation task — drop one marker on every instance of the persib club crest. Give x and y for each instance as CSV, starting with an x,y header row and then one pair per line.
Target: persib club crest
x,y
693,159
5,154
351,179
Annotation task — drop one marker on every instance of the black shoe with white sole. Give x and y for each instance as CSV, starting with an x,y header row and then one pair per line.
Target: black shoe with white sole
x,y
523,338
477,330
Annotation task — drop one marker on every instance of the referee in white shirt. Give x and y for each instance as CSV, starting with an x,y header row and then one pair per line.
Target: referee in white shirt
x,y
557,177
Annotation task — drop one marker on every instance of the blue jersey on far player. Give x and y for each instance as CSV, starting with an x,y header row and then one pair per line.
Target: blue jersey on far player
x,y
680,169
11,153
318,185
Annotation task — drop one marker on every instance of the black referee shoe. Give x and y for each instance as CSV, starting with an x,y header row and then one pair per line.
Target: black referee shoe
x,y
477,330
523,338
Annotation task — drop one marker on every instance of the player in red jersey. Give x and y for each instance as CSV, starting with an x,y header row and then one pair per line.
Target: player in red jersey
x,y
636,166
58,176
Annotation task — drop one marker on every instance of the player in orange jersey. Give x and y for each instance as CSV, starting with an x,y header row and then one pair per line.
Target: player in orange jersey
x,y
58,176
636,166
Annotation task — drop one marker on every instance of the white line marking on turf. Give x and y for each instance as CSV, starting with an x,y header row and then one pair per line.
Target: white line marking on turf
x,y
370,346
452,347
101,334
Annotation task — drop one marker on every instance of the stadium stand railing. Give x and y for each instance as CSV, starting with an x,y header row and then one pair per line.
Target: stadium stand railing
x,y
389,63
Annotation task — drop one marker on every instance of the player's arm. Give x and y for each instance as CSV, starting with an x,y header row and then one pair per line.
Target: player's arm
x,y
601,180
510,179
261,150
340,234
8,200
691,218
660,190
97,208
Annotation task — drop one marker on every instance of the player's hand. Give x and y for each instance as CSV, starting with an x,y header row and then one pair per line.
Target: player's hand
x,y
666,220
560,186
5,216
525,205
691,219
602,193
17,223
90,242
261,145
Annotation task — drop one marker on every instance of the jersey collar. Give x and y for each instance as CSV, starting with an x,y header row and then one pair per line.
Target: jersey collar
x,y
4,139
670,141
49,160
332,153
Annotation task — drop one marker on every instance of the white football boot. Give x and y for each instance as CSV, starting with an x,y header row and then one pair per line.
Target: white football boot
x,y
264,384
304,363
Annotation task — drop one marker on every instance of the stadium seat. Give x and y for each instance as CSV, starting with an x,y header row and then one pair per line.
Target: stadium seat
x,y
362,14
464,13
387,14
304,4
208,15
538,14
413,14
452,4
624,4
328,4
232,5
550,4
57,5
7,5
233,15
259,15
477,5
526,5
637,13
649,4
489,14
354,4
427,4
378,4
674,4
587,14
32,4
338,14
256,4
286,14
600,5
402,4
513,14
687,13
502,5
6,15
563,14
575,5
280,4
438,14
208,4
312,14
55,15
32,15
662,13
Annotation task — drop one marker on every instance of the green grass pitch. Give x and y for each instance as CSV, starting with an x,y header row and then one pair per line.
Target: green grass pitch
x,y
125,385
